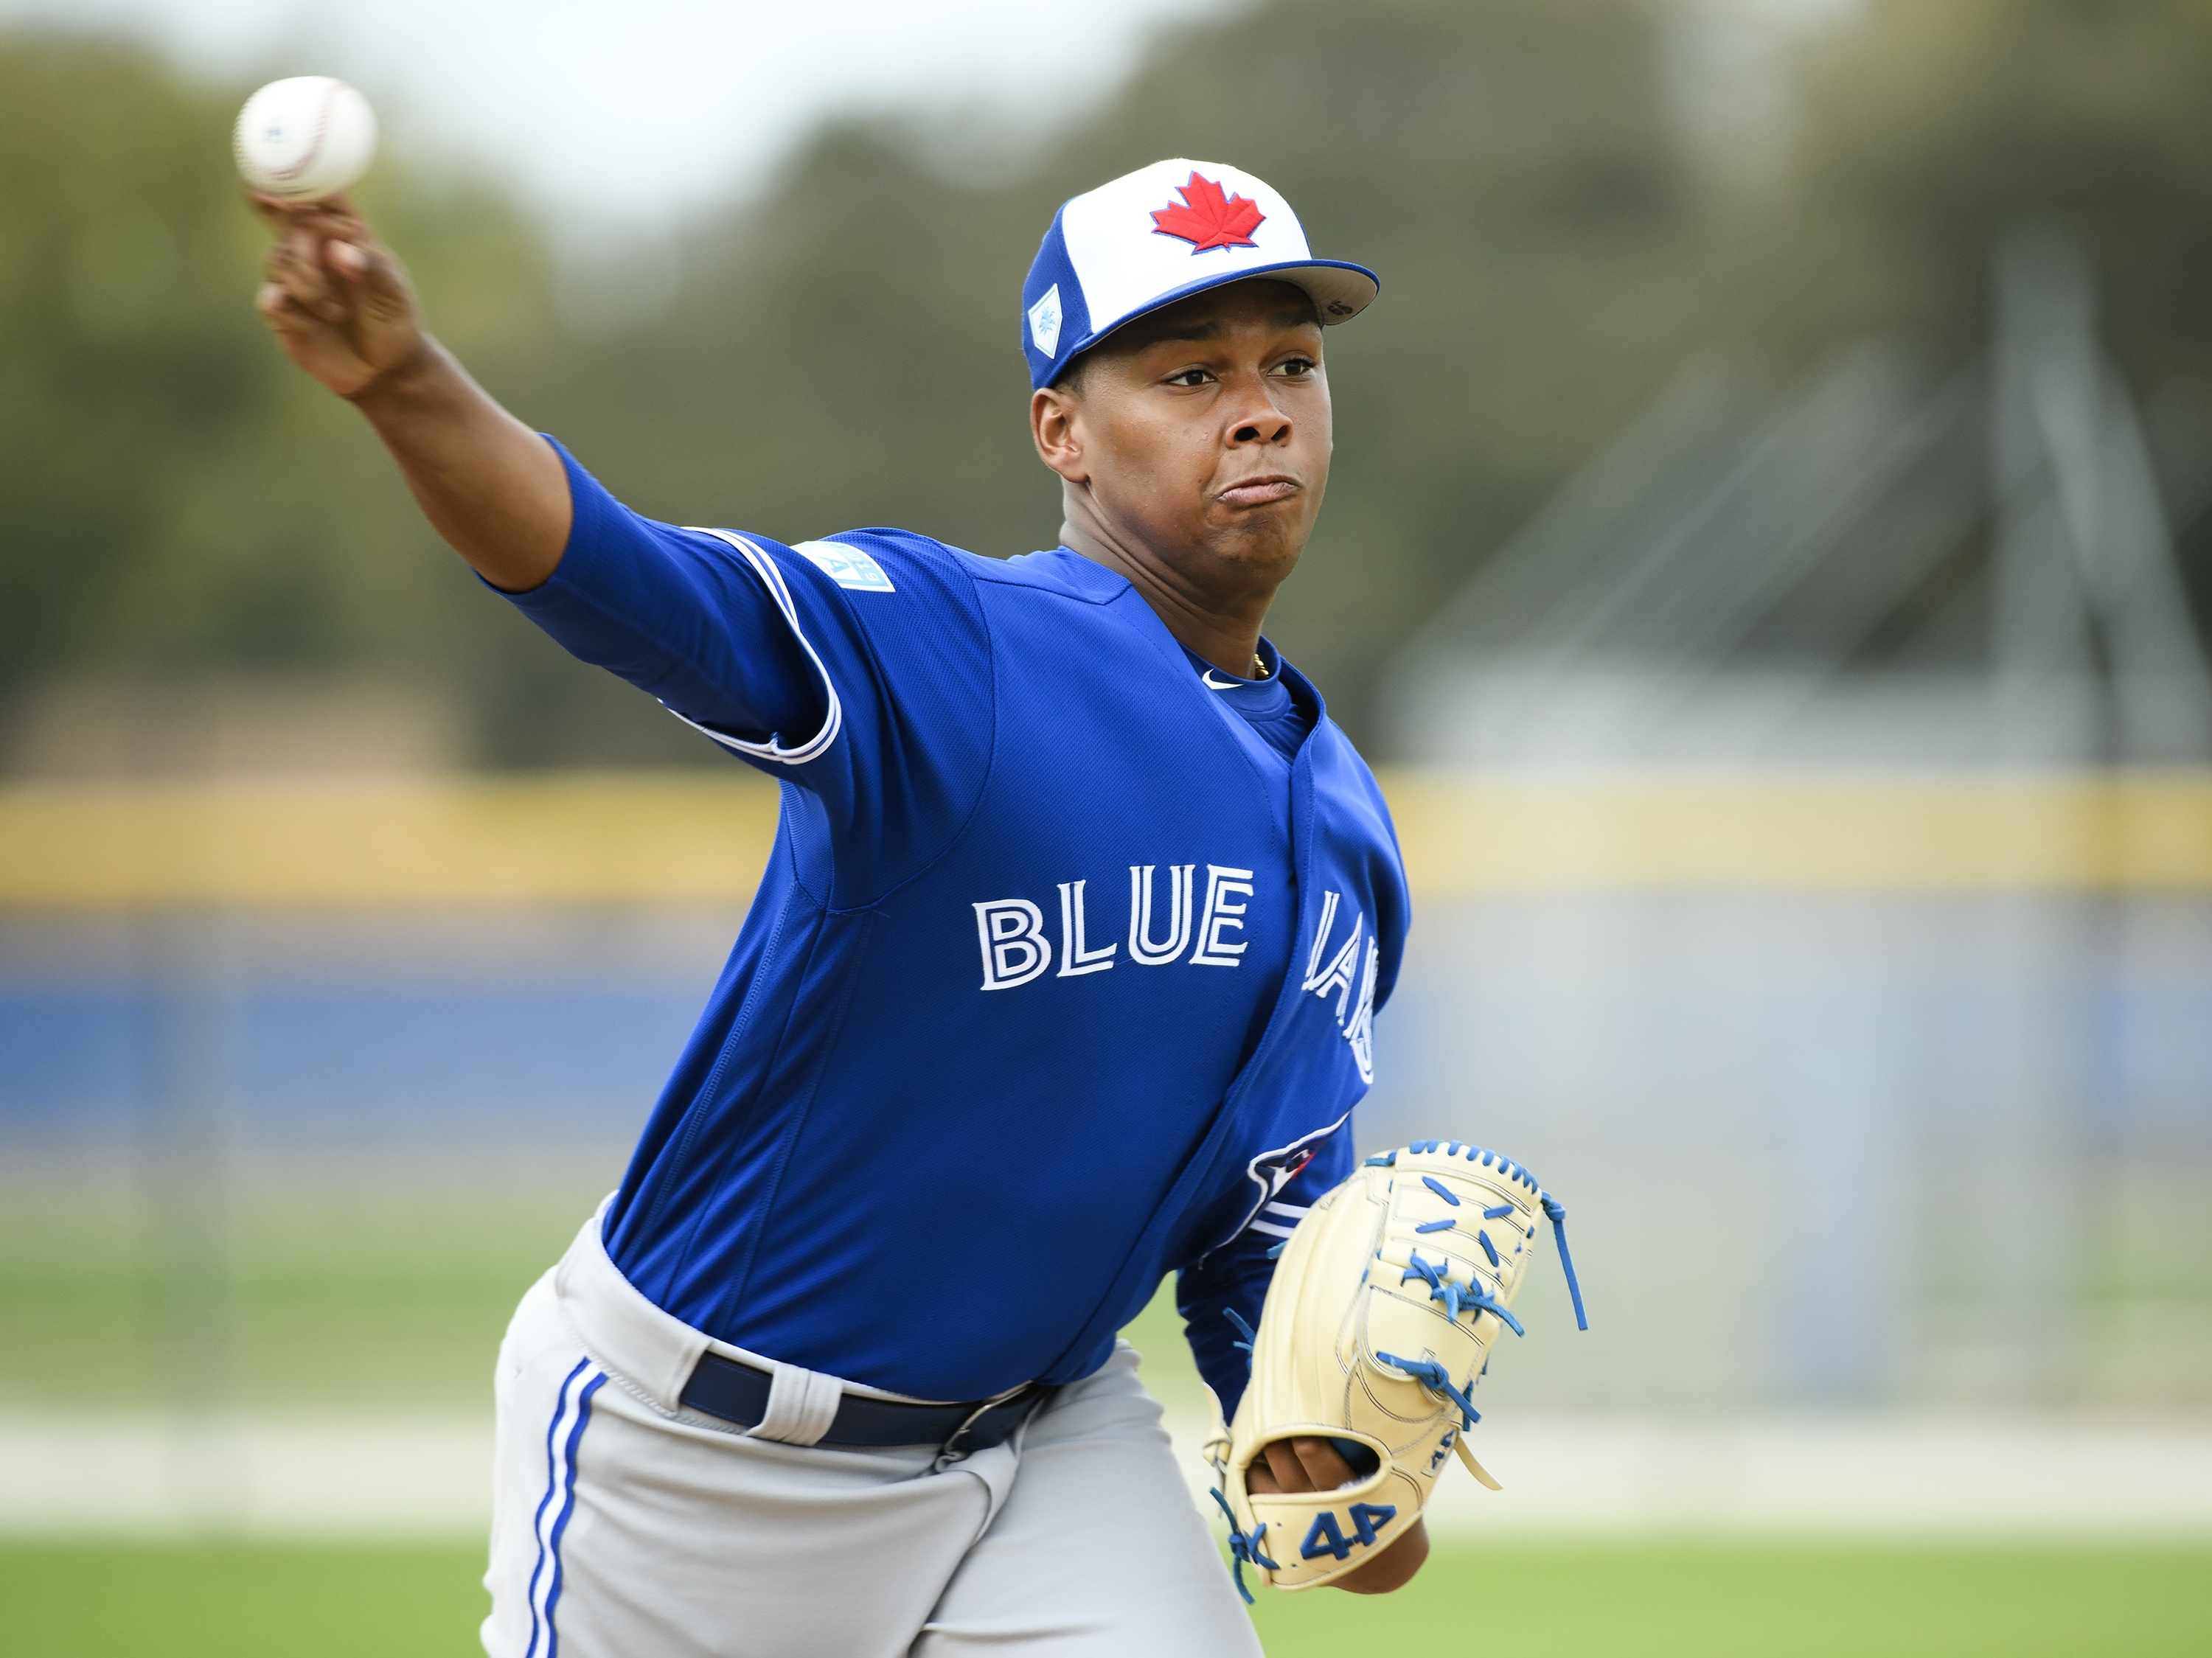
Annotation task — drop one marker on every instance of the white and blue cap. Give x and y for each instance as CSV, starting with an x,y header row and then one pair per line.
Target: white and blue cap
x,y
1153,237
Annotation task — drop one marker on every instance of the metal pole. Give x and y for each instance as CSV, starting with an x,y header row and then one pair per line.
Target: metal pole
x,y
185,1182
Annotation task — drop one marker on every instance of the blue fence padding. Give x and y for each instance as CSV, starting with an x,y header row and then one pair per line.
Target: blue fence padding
x,y
87,1062
76,1059
2133,1060
84,1061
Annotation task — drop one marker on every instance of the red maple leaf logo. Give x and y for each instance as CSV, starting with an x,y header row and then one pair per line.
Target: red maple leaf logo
x,y
1206,218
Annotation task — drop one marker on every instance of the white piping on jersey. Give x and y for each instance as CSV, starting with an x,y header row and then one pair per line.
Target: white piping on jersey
x,y
1269,1228
832,722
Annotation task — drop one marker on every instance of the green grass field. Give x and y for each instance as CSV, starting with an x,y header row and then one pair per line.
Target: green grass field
x,y
1715,1600
368,1293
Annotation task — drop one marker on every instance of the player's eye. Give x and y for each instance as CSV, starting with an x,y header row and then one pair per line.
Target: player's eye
x,y
1190,377
1295,367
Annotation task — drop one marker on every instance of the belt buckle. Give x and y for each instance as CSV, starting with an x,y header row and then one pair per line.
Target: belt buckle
x,y
952,1449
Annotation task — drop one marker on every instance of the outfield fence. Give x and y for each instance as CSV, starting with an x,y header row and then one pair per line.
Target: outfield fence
x,y
1872,1093
698,837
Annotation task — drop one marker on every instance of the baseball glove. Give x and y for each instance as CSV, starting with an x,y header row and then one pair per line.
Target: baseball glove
x,y
1386,1296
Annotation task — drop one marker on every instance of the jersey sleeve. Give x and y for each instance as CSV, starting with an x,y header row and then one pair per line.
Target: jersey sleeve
x,y
856,668
670,611
1220,1297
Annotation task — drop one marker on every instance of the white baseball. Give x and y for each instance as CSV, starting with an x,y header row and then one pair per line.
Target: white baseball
x,y
304,138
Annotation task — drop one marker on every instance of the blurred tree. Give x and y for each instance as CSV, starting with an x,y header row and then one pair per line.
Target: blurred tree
x,y
1930,131
175,502
850,354
844,351
127,362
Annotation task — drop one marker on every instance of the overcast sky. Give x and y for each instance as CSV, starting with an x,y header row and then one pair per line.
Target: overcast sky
x,y
644,108
608,112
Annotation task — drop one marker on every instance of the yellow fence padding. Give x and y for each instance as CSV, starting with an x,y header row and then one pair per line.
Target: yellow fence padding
x,y
615,837
2113,833
565,838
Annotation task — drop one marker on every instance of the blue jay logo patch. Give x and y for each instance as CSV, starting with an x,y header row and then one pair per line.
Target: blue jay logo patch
x,y
1044,321
1278,1168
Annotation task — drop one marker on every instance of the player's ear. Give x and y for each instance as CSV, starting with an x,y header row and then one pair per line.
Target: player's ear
x,y
1056,425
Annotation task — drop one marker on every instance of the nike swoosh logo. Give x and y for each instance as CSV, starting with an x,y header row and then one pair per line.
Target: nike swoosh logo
x,y
1214,684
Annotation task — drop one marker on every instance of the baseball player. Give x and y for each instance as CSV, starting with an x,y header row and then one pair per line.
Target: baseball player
x,y
1061,977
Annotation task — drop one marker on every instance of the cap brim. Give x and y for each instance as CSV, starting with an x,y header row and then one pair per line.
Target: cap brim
x,y
1340,290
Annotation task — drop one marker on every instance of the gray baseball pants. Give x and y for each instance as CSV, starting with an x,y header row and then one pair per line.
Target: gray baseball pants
x,y
626,1525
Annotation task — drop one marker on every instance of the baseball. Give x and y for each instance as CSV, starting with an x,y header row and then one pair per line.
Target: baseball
x,y
304,138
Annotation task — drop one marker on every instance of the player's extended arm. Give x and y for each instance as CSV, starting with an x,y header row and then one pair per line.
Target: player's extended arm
x,y
340,305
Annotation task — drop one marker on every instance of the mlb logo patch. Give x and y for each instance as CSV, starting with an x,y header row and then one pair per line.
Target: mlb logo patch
x,y
1044,321
848,567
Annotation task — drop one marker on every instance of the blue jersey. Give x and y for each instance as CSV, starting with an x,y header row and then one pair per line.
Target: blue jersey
x,y
1061,974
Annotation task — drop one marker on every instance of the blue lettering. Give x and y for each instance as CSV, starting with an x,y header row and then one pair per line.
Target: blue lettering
x,y
1324,1539
1366,1516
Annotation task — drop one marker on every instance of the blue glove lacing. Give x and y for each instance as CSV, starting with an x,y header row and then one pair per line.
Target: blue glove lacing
x,y
1243,1549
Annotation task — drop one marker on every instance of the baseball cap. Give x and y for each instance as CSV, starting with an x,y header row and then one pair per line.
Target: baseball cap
x,y
1155,236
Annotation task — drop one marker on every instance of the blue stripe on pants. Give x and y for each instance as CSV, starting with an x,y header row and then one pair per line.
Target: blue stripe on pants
x,y
554,1482
567,1507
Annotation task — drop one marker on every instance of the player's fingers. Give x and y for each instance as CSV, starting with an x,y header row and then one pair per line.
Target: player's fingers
x,y
296,263
341,217
283,255
1288,1469
1322,1464
381,293
336,220
283,314
278,212
282,264
310,221
365,266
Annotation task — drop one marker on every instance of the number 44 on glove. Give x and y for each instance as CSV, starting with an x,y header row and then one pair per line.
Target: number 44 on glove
x,y
1377,1327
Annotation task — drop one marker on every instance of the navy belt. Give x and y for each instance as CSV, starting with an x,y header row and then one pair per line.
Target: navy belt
x,y
738,1393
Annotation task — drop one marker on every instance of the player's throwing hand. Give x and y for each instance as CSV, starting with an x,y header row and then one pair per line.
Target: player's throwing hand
x,y
339,303
335,298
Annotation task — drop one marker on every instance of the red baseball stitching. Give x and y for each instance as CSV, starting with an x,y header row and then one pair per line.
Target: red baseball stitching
x,y
315,146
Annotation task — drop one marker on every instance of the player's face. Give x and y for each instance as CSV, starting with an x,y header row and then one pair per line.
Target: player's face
x,y
1202,432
